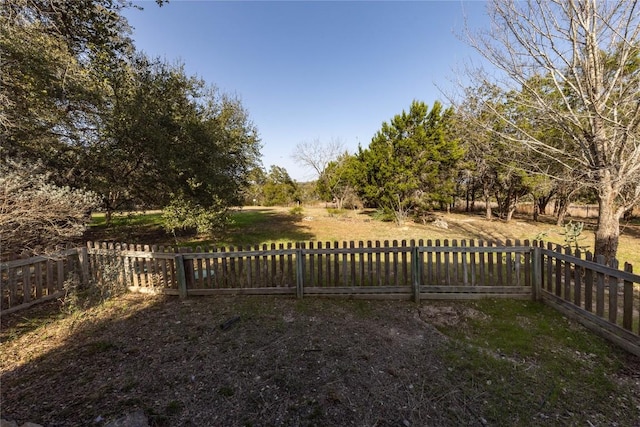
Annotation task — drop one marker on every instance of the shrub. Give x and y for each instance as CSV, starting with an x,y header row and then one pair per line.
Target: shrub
x,y
185,215
297,211
37,215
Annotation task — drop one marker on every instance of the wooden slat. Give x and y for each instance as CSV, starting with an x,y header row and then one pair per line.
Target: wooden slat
x,y
361,274
395,263
38,279
387,266
454,267
549,262
600,289
481,267
465,264
447,263
472,263
26,283
430,265
613,299
627,305
438,274
577,282
588,285
566,294
311,266
509,262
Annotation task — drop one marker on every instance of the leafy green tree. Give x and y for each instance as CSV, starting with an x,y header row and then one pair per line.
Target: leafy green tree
x,y
52,54
171,137
279,189
411,163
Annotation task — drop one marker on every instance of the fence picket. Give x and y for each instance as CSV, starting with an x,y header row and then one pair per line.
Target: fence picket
x,y
481,256
577,279
600,289
588,284
447,273
627,304
472,263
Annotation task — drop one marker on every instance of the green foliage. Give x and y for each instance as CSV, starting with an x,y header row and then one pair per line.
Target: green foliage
x,y
412,161
137,131
338,182
279,189
185,215
297,211
572,234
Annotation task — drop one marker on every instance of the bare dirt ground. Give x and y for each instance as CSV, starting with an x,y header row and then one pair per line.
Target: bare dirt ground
x,y
268,362
277,365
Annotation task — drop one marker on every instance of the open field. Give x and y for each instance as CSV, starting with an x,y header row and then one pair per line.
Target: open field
x,y
257,225
312,362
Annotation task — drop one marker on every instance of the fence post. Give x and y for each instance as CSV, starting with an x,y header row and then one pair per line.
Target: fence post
x,y
83,260
182,279
415,272
536,273
299,273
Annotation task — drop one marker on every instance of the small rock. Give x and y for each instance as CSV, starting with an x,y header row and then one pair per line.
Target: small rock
x,y
441,223
134,419
5,423
30,424
406,423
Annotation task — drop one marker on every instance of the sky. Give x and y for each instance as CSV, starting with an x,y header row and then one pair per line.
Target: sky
x,y
314,71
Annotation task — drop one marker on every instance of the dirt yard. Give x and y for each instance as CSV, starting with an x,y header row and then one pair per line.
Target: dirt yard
x,y
283,362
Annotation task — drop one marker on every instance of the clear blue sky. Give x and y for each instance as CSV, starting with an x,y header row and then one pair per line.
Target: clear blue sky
x,y
314,70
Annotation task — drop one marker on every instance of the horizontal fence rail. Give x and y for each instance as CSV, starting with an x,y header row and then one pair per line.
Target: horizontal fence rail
x,y
603,298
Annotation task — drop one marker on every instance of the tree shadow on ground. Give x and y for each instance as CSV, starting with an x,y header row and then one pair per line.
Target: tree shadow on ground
x,y
282,362
258,226
249,227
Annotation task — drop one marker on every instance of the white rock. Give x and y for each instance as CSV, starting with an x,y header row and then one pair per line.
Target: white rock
x,y
134,419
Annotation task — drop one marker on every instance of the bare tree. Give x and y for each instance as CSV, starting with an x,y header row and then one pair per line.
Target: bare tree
x,y
36,215
587,54
316,154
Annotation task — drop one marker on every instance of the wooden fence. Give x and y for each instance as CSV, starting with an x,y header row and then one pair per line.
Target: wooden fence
x,y
605,299
29,281
396,269
602,298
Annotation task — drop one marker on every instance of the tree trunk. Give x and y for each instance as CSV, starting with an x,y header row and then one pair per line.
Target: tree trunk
x,y
562,207
607,233
487,202
536,212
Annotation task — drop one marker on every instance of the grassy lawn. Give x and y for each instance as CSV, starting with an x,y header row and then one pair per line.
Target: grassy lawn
x,y
260,225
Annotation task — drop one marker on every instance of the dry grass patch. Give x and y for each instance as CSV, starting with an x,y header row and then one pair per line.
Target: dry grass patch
x,y
290,362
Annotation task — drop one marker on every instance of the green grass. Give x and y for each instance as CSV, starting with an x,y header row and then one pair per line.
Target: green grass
x,y
523,361
132,219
